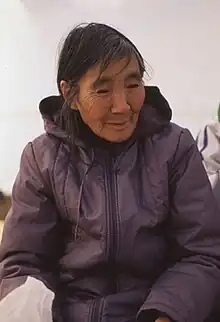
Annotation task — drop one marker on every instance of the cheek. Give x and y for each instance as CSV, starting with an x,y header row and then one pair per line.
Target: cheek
x,y
136,99
94,108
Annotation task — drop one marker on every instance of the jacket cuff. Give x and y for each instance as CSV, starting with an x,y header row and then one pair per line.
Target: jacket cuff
x,y
149,313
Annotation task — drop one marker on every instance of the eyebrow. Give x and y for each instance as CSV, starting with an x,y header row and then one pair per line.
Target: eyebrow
x,y
107,79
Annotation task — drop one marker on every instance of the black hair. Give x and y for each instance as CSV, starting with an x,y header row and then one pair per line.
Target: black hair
x,y
86,46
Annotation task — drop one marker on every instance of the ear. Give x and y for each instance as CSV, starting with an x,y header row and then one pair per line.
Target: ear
x,y
65,90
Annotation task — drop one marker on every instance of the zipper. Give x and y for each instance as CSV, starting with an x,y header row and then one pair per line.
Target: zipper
x,y
96,311
112,233
112,221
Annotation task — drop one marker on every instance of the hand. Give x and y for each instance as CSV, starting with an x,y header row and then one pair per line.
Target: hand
x,y
162,320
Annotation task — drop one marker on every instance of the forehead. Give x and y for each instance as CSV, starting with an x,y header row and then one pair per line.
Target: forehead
x,y
119,69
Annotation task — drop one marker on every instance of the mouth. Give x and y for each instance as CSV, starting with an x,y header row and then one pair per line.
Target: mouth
x,y
119,125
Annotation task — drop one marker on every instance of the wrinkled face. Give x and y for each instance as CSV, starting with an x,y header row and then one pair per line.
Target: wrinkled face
x,y
110,103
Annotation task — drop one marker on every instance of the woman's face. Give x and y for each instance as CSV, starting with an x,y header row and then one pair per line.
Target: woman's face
x,y
110,104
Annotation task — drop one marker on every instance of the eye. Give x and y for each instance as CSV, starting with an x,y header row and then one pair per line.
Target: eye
x,y
133,85
102,91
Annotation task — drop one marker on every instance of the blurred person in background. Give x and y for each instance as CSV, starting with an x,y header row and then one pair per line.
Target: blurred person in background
x,y
1,195
5,203
112,210
208,141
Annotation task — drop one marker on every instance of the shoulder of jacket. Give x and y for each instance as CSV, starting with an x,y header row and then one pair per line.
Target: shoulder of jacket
x,y
45,141
46,145
173,136
173,143
43,154
173,130
45,149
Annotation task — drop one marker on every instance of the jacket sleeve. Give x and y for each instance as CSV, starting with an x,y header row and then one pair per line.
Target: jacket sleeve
x,y
187,291
29,245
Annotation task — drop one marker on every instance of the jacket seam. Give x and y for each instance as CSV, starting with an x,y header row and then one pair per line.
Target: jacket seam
x,y
37,165
60,204
64,188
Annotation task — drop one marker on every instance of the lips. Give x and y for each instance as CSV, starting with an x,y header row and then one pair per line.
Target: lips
x,y
118,126
121,123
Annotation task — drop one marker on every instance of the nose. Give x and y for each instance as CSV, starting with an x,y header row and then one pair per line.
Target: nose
x,y
119,103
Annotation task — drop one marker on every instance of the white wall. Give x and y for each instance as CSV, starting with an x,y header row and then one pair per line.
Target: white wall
x,y
180,40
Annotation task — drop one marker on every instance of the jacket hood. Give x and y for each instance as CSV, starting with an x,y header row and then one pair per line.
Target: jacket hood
x,y
155,114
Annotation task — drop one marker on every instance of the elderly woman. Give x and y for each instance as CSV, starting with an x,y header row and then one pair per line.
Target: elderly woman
x,y
112,209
